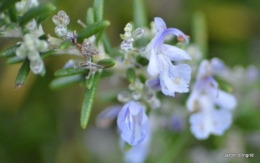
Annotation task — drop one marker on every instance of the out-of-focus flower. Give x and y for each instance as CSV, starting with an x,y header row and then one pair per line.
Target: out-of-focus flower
x,y
172,78
106,117
205,95
177,123
132,122
138,153
209,120
205,83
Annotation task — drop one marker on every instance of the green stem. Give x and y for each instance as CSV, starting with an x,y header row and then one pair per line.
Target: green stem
x,y
139,13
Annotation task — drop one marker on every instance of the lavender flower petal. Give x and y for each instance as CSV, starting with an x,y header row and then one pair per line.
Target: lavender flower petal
x,y
132,123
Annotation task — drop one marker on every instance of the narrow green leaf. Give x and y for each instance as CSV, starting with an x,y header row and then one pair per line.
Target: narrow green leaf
x,y
199,31
67,81
22,74
15,60
65,44
90,16
45,15
130,75
107,63
70,71
98,10
98,37
107,45
88,102
10,52
139,13
6,4
12,14
47,54
35,12
90,81
92,29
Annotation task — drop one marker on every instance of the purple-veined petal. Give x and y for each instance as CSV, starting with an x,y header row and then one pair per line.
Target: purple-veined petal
x,y
138,153
160,24
132,123
175,53
153,66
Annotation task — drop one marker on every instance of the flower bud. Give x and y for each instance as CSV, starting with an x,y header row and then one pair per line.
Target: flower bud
x,y
61,31
21,52
126,45
37,66
124,97
20,7
42,45
33,55
128,27
136,95
138,33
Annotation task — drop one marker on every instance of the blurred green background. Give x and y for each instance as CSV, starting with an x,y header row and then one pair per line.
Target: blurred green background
x,y
41,125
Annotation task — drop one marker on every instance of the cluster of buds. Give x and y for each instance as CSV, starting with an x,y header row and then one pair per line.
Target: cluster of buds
x,y
129,37
24,6
138,91
61,20
31,48
135,94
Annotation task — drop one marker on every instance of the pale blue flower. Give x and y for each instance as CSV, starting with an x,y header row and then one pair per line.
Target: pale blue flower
x,y
172,78
138,153
132,122
204,99
205,83
209,120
